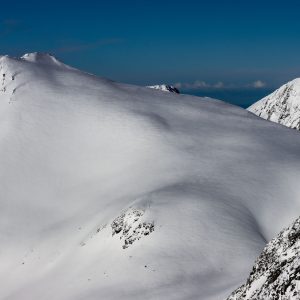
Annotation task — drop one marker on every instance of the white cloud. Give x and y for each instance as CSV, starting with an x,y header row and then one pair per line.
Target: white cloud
x,y
258,84
219,85
200,84
178,85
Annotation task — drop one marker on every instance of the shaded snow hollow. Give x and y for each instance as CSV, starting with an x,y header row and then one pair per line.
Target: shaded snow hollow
x,y
194,185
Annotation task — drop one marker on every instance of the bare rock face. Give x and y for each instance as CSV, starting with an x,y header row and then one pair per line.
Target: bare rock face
x,y
276,273
282,106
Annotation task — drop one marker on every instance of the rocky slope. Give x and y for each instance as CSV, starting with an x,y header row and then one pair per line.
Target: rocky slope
x,y
282,106
276,273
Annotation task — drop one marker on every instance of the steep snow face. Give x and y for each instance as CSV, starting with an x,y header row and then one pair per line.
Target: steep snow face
x,y
276,273
113,191
165,88
282,106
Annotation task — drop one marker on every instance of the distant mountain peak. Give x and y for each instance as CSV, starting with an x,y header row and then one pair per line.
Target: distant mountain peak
x,y
282,106
165,88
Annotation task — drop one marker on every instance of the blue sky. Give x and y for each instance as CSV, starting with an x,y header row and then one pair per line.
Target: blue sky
x,y
203,46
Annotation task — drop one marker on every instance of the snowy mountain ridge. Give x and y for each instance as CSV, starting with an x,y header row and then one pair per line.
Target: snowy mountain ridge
x,y
282,106
113,191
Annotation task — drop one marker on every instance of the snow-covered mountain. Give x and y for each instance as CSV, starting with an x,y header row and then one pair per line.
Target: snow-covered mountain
x,y
165,88
43,59
113,191
282,106
276,273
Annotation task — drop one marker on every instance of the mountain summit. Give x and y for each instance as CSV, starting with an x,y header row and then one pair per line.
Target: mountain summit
x,y
43,58
282,106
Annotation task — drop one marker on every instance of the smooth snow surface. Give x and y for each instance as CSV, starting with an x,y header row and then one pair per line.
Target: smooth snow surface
x,y
111,191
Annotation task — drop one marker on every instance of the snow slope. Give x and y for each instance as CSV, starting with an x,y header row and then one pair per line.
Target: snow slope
x,y
276,273
282,106
112,191
165,88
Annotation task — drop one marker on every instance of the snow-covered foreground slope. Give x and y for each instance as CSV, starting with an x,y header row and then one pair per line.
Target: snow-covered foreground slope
x,y
282,106
112,191
276,273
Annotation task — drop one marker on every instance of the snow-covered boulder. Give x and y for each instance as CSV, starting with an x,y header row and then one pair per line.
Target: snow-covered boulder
x,y
276,273
282,106
165,88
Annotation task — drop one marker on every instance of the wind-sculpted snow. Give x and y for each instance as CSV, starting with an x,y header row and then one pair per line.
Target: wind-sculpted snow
x,y
276,273
209,183
282,106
